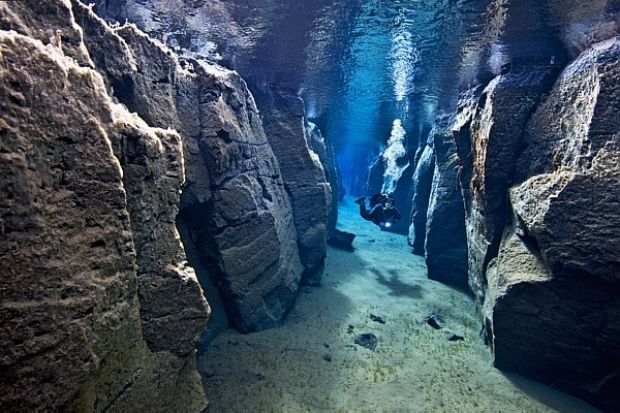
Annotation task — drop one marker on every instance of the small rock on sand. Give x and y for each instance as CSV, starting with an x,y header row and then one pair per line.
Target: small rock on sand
x,y
453,337
435,321
367,340
377,319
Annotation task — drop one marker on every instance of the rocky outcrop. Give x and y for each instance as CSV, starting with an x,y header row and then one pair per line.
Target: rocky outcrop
x,y
212,30
302,173
552,302
496,140
234,209
325,151
89,194
446,244
421,189
244,230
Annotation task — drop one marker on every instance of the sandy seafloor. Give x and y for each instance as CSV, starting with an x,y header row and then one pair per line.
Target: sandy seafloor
x,y
414,367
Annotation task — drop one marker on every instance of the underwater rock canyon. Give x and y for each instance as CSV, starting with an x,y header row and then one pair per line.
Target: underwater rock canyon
x,y
165,178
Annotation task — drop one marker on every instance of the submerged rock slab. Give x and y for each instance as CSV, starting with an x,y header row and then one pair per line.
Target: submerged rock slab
x,y
553,299
234,207
446,243
302,173
74,252
421,187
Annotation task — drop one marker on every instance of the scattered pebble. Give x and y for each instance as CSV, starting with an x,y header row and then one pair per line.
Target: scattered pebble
x,y
325,345
368,340
453,337
377,319
350,329
327,358
435,321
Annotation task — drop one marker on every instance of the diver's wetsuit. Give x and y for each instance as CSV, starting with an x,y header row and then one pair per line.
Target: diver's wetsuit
x,y
378,209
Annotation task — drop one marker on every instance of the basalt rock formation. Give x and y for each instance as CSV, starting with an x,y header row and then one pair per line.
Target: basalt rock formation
x,y
376,169
197,30
234,208
446,245
138,176
89,198
531,158
561,246
109,141
302,173
421,187
244,228
325,151
496,141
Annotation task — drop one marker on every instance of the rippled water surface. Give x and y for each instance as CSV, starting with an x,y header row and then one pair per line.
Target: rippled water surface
x,y
360,65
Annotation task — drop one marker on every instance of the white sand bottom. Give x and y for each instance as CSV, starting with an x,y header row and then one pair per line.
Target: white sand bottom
x,y
414,367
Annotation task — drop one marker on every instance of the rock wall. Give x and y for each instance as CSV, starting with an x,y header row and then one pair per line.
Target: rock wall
x,y
403,199
566,226
91,196
496,139
421,189
100,310
303,175
374,181
446,244
533,155
244,230
325,151
233,203
197,29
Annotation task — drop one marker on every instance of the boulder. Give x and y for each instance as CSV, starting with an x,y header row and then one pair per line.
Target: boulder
x,y
341,239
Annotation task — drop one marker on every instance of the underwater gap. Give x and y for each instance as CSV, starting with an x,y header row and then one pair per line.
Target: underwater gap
x,y
351,206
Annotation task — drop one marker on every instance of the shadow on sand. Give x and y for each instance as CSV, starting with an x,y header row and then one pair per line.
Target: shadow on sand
x,y
397,287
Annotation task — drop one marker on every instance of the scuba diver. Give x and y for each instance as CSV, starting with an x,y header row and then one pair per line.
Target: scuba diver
x,y
379,209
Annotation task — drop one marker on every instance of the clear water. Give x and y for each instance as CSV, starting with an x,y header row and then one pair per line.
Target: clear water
x,y
312,364
362,64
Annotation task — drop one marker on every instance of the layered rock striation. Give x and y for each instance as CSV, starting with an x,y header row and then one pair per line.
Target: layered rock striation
x,y
530,160
234,206
109,141
521,176
99,308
